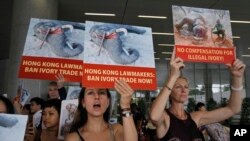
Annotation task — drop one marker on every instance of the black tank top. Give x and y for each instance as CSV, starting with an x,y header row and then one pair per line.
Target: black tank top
x,y
182,130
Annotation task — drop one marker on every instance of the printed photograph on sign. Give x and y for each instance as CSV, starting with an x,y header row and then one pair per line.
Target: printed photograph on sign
x,y
73,92
68,110
115,44
53,47
203,35
53,38
12,127
202,27
22,94
116,51
24,97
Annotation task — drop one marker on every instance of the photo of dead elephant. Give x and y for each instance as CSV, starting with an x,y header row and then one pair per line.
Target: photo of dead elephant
x,y
53,38
12,127
73,92
202,27
117,44
68,111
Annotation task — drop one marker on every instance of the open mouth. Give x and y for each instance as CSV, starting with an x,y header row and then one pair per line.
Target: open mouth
x,y
97,105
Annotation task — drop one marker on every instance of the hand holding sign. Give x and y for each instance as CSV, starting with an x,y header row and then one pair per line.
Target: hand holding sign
x,y
176,64
237,68
126,92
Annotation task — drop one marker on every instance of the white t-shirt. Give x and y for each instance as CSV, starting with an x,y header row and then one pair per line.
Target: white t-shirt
x,y
37,118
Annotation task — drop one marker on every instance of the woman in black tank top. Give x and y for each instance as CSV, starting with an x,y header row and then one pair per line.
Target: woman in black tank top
x,y
91,120
175,124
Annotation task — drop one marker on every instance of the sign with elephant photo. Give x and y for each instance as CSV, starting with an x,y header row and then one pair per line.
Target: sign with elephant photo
x,y
116,51
203,35
68,112
53,47
13,127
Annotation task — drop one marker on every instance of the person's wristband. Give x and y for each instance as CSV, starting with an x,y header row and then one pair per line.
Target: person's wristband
x,y
166,86
237,89
126,114
125,109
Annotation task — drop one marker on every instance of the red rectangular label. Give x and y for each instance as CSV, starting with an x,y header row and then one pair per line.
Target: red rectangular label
x,y
103,76
205,54
47,68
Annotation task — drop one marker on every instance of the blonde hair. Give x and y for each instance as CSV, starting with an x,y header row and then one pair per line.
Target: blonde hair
x,y
180,77
53,83
183,77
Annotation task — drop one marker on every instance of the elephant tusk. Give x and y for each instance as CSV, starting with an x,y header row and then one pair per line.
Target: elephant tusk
x,y
70,27
69,45
124,30
125,50
46,34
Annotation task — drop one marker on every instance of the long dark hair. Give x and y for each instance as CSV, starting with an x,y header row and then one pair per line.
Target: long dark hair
x,y
9,106
81,117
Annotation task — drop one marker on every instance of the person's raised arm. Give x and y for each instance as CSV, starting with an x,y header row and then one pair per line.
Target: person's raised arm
x,y
158,106
237,73
60,80
235,100
60,84
128,133
17,106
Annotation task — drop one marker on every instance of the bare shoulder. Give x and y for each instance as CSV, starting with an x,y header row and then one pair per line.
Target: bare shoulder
x,y
72,137
117,127
118,131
